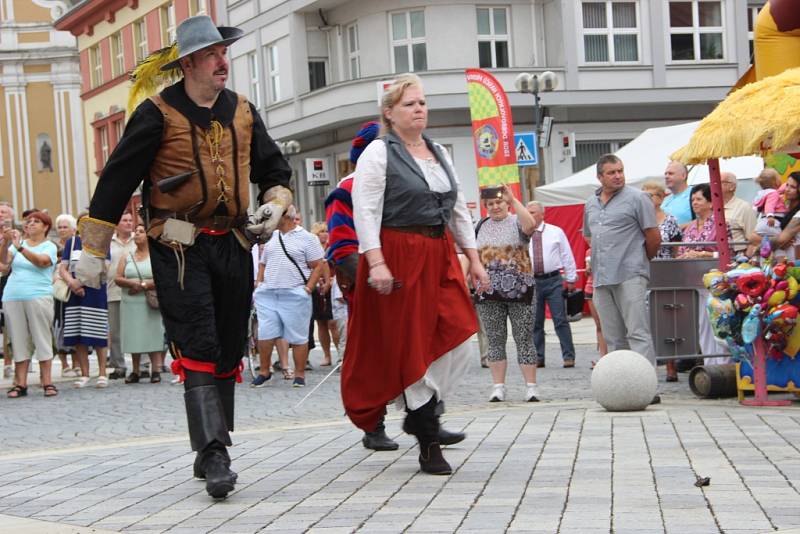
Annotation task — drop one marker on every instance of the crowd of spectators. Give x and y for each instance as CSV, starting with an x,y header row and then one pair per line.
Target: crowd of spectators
x,y
297,293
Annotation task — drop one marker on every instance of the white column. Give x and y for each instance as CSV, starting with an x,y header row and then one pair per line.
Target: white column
x,y
11,102
62,142
25,151
80,169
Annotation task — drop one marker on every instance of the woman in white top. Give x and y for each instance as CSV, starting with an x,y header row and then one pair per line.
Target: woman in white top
x,y
411,314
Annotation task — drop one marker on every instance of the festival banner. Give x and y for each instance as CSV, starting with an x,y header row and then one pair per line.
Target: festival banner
x,y
492,132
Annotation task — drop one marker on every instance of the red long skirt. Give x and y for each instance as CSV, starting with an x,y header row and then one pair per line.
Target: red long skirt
x,y
393,339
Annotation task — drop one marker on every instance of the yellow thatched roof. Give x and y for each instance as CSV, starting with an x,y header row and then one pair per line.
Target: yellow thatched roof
x,y
760,118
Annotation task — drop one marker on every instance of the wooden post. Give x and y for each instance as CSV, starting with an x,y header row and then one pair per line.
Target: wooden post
x,y
718,208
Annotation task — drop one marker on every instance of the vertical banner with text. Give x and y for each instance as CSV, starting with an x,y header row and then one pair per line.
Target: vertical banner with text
x,y
492,132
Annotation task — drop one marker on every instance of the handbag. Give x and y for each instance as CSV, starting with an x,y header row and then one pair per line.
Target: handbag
x,y
150,295
61,290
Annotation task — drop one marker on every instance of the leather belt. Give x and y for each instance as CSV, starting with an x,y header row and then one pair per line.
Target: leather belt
x,y
544,276
428,231
215,223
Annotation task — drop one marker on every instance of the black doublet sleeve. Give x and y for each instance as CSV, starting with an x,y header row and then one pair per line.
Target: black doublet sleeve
x,y
268,167
129,163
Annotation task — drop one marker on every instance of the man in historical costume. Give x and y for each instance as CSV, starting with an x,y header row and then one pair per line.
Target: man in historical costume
x,y
197,146
343,252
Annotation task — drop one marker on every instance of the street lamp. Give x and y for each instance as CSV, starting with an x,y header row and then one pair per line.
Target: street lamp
x,y
534,83
289,148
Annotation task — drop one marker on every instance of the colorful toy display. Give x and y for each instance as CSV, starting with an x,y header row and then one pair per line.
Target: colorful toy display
x,y
752,300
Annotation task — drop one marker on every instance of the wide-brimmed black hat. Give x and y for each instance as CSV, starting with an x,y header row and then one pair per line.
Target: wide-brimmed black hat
x,y
196,33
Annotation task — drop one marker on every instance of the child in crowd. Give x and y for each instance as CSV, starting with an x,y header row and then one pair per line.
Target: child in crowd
x,y
769,203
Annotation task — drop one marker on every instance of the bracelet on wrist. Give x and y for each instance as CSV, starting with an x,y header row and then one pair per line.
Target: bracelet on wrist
x,y
376,264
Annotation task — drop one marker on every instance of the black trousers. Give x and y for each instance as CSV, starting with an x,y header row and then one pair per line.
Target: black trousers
x,y
207,319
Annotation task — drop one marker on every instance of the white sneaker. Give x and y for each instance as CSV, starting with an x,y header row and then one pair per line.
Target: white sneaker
x,y
531,394
498,393
8,371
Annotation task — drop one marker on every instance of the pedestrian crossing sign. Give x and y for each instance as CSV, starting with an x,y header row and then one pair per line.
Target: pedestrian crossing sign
x,y
525,148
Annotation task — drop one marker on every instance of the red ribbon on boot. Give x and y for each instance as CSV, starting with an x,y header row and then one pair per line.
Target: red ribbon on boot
x,y
180,365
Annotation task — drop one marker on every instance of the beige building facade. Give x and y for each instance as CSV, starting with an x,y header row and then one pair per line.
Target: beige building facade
x,y
42,153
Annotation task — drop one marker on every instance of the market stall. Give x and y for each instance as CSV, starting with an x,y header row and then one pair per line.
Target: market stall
x,y
753,305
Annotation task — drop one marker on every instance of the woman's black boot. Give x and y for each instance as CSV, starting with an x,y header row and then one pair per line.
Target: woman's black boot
x,y
423,424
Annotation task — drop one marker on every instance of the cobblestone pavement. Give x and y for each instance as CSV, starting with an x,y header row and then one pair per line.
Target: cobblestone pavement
x,y
118,460
142,411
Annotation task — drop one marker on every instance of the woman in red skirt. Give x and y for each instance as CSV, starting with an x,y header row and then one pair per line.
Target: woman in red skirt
x,y
412,315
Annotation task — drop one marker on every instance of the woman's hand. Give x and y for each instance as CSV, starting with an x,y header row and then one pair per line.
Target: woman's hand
x,y
381,279
16,239
8,235
76,287
323,286
480,280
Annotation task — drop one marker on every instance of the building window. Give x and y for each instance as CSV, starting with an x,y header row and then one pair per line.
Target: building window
x,y
255,85
140,40
316,74
588,152
167,24
492,37
96,62
696,30
408,41
752,17
197,7
102,139
117,55
274,74
610,32
352,52
119,129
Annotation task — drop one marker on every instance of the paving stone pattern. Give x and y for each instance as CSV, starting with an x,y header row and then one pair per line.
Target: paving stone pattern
x,y
118,460
564,467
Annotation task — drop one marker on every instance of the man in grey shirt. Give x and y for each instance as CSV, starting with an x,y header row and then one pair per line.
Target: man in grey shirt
x,y
619,223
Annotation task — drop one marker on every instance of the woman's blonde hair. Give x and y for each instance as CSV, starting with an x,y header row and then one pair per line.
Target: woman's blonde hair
x,y
653,186
318,227
394,93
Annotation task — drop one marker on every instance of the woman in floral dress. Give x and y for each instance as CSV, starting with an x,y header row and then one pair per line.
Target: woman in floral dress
x,y
503,249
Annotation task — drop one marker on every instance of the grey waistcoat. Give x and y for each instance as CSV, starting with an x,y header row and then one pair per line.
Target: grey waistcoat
x,y
408,200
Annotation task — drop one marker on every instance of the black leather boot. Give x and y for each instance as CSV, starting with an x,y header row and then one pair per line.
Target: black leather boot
x,y
445,436
208,434
423,424
377,440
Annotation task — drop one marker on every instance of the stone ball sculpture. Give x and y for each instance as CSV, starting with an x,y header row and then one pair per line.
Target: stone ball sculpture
x,y
624,381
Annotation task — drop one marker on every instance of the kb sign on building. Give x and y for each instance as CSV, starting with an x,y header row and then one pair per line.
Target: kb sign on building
x,y
317,171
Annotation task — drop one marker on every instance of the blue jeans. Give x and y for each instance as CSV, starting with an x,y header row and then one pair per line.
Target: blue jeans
x,y
552,291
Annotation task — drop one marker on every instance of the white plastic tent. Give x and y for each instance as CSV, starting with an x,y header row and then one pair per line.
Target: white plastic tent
x,y
645,158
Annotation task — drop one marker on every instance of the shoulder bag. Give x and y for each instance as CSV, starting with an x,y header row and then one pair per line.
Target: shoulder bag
x,y
61,291
302,275
150,295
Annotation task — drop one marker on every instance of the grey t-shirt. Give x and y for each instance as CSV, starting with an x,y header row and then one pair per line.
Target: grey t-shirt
x,y
617,232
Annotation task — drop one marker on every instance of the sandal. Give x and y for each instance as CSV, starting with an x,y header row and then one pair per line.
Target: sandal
x,y
17,392
132,378
81,382
287,374
155,378
50,390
